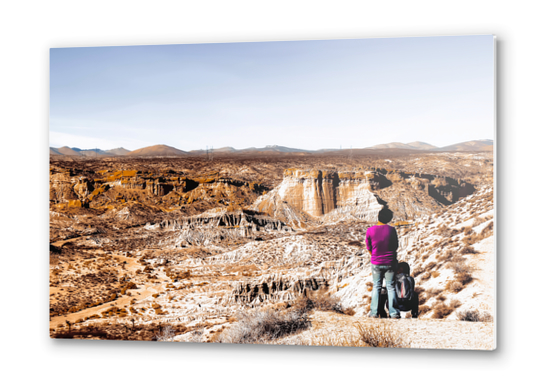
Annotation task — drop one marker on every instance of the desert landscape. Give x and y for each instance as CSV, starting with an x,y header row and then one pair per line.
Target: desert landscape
x,y
266,245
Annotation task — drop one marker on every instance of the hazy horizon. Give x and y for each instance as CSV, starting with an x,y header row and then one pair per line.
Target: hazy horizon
x,y
300,94
229,146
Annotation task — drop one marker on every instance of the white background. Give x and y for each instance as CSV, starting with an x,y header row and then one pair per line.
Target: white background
x,y
28,29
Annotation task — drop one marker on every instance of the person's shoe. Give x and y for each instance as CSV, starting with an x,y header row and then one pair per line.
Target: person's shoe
x,y
398,317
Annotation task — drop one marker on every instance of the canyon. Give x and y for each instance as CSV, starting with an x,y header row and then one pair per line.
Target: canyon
x,y
140,245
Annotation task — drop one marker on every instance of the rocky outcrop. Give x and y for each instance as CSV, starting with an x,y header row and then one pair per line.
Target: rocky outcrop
x,y
220,226
280,287
83,188
320,192
61,188
331,196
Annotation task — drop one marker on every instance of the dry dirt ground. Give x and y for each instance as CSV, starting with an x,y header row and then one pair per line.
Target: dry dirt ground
x,y
417,333
174,248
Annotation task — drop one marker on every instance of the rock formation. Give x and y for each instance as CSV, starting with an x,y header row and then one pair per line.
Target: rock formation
x,y
319,193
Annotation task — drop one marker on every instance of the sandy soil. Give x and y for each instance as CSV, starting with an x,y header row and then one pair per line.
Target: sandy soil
x,y
422,334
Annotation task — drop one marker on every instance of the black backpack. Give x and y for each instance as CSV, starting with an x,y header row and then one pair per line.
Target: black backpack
x,y
404,288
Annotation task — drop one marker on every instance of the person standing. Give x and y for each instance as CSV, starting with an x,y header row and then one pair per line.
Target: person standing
x,y
382,243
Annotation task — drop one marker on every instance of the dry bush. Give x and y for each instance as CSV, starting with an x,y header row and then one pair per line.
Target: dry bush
x,y
432,292
441,311
454,286
380,335
421,296
468,250
430,266
264,326
487,231
321,301
459,267
464,277
447,232
416,272
474,315
435,274
448,255
424,277
454,303
364,335
423,309
441,297
470,240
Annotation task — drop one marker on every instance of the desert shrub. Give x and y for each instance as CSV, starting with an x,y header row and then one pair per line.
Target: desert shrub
x,y
459,267
474,315
464,277
448,255
380,335
467,230
435,274
487,231
321,301
349,311
441,311
454,286
447,232
468,250
454,303
264,326
363,335
441,297
423,309
416,272
424,277
430,266
470,240
433,292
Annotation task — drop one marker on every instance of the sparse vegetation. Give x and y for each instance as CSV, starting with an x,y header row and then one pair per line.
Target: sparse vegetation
x,y
322,301
441,311
474,315
265,326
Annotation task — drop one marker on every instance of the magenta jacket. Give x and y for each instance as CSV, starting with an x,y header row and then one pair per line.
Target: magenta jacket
x,y
382,241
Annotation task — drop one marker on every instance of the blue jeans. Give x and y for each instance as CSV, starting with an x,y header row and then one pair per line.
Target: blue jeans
x,y
379,273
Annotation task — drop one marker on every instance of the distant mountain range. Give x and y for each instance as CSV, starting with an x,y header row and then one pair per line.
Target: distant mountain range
x,y
67,151
164,150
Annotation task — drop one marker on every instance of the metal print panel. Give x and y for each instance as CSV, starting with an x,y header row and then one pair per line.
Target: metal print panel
x,y
324,193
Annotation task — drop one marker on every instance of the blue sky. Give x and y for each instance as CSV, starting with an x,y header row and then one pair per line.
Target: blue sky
x,y
301,94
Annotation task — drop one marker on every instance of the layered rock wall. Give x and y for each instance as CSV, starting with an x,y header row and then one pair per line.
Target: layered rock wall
x,y
321,192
